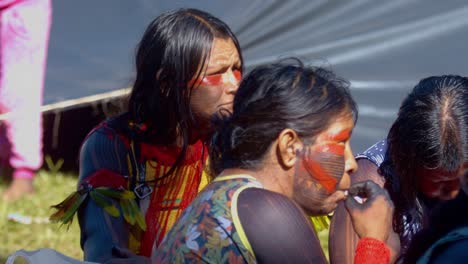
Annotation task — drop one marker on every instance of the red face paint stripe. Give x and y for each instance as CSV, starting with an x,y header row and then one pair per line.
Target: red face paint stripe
x,y
237,75
331,148
214,79
317,172
342,135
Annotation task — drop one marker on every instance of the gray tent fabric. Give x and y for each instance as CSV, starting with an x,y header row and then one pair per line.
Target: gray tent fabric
x,y
382,47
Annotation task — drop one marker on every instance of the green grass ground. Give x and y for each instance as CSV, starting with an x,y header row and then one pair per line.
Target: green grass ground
x,y
50,189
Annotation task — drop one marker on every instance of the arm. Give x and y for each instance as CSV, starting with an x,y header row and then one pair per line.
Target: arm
x,y
377,207
343,239
277,228
100,231
371,251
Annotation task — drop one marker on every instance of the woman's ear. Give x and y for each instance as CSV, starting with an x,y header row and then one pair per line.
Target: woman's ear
x,y
289,145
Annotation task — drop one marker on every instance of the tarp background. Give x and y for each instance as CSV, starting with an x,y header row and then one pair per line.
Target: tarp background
x,y
383,47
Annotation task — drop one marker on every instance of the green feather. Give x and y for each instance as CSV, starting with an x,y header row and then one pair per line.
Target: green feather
x,y
109,192
140,219
127,212
116,194
128,195
103,202
68,208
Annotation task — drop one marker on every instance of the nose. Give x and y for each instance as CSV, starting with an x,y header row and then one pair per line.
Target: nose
x,y
350,167
350,162
231,82
345,182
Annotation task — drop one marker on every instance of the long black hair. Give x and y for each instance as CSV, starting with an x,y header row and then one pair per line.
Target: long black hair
x,y
271,98
173,51
431,131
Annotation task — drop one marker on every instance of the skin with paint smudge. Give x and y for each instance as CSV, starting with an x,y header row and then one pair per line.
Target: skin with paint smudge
x,y
322,172
438,183
218,86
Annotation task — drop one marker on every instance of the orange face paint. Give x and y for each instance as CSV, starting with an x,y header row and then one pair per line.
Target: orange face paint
x,y
237,75
325,165
215,79
331,148
340,136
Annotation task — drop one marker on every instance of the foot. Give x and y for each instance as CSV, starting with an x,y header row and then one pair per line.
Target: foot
x,y
18,188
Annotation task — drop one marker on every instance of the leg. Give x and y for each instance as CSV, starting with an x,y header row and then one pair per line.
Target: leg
x,y
24,35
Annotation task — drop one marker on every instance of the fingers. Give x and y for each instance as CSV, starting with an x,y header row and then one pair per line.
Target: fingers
x,y
351,204
368,190
331,202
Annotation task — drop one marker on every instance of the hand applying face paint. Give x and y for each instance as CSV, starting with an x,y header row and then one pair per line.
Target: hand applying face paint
x,y
375,204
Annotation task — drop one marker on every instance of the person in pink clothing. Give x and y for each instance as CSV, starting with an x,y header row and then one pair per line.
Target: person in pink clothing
x,y
24,38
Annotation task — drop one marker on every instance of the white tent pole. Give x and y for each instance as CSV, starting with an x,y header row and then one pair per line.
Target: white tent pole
x,y
79,101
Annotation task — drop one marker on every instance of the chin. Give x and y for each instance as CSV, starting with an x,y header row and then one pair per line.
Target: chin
x,y
224,108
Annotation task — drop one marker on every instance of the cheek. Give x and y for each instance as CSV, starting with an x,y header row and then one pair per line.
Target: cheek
x,y
325,165
206,98
309,194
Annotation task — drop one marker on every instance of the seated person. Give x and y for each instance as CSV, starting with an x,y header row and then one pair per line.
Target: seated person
x,y
282,153
139,170
417,164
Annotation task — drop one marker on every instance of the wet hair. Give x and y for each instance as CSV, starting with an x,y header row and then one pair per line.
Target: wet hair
x,y
174,49
430,132
271,98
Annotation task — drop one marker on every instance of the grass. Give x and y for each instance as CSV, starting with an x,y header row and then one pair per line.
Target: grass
x,y
50,189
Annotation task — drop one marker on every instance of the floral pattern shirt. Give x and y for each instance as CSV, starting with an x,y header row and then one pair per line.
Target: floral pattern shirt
x,y
209,230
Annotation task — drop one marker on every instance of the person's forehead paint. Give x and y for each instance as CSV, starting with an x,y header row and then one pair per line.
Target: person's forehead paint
x,y
438,183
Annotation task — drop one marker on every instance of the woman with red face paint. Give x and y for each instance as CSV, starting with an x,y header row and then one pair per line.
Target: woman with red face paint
x,y
445,240
418,163
283,152
139,170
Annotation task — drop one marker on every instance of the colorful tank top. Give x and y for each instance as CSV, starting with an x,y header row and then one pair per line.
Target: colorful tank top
x,y
209,230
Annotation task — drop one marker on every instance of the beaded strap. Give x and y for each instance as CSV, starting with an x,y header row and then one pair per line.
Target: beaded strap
x,y
371,250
